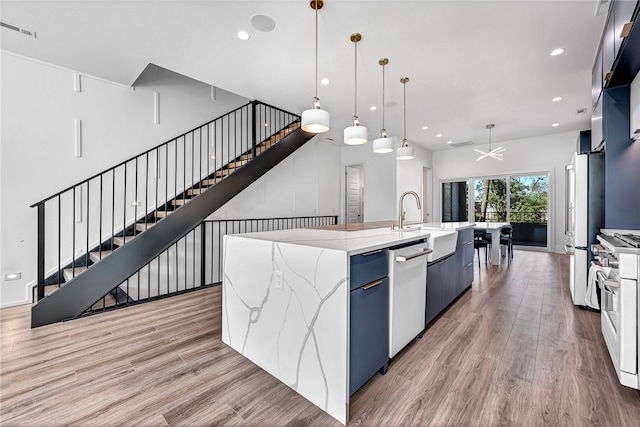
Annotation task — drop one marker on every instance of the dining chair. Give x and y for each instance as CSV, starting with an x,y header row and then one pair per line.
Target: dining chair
x,y
506,238
480,241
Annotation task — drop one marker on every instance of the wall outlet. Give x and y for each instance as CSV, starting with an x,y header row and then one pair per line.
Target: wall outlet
x,y
279,279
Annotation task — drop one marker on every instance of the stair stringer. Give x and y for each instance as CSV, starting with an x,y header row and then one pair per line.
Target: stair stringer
x,y
80,293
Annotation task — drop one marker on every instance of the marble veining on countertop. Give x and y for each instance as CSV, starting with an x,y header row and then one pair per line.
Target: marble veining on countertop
x,y
352,242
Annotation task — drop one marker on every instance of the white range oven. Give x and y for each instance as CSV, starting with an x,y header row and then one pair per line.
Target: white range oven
x,y
619,250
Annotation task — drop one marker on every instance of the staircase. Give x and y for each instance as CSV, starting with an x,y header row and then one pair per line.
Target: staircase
x,y
184,180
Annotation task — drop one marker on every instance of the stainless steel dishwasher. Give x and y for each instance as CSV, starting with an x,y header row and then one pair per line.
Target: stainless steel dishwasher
x,y
407,293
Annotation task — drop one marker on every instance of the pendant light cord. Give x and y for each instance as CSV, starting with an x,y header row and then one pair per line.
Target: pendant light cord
x,y
316,80
355,97
383,98
404,106
489,139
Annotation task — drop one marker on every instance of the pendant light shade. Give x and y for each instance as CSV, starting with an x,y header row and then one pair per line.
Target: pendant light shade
x,y
405,152
384,144
315,119
355,134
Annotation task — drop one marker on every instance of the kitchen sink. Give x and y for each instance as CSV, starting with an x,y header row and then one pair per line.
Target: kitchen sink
x,y
442,243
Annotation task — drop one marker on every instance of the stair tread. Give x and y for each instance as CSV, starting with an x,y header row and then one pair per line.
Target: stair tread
x,y
48,290
119,241
196,191
180,202
141,226
98,255
69,272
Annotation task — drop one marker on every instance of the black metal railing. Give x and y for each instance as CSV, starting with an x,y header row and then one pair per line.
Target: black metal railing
x,y
525,216
195,261
80,225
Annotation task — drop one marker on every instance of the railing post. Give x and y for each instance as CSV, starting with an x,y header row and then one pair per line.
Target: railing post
x,y
254,129
203,255
41,251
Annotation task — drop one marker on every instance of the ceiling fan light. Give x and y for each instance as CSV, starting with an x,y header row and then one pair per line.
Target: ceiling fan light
x,y
382,145
404,153
316,120
355,135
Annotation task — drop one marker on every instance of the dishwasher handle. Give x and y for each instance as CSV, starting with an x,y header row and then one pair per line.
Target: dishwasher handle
x,y
405,258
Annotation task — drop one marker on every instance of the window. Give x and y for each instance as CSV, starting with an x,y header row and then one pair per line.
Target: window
x,y
454,201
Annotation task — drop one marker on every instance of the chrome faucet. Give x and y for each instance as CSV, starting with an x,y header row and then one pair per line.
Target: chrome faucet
x,y
401,207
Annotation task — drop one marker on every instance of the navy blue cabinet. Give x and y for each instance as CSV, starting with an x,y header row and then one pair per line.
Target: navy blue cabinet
x,y
464,260
622,162
434,292
368,318
449,277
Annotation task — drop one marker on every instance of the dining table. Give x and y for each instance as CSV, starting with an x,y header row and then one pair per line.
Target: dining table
x,y
493,228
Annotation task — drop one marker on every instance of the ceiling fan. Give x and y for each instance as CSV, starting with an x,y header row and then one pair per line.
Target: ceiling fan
x,y
496,153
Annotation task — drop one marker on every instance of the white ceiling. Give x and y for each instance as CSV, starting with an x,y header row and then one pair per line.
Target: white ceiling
x,y
470,63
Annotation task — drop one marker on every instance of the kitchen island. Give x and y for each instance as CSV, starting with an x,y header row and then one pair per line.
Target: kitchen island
x,y
286,303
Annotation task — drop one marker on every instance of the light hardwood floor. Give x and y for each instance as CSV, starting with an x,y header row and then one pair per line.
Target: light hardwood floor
x,y
511,351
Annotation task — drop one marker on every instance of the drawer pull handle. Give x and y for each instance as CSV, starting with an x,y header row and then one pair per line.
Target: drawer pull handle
x,y
372,252
371,285
405,258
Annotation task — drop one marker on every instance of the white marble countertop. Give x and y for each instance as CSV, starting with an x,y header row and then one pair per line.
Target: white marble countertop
x,y
351,242
453,226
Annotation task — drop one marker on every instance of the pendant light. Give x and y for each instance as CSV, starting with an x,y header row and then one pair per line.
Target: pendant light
x,y
355,134
405,152
384,144
316,120
496,153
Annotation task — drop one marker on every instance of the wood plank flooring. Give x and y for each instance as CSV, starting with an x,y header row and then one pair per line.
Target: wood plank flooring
x,y
511,351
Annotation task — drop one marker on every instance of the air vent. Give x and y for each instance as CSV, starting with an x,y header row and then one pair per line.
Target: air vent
x,y
581,111
12,27
461,144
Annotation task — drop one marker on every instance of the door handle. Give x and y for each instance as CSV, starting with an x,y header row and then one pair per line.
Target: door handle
x,y
372,252
371,285
608,283
405,258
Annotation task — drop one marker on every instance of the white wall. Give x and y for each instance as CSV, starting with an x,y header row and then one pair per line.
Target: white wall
x,y
39,106
304,184
532,155
410,177
379,172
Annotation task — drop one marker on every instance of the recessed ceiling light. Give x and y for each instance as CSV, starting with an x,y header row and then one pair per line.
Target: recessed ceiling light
x,y
243,35
425,127
373,108
438,135
557,98
266,125
556,52
325,81
555,125
449,142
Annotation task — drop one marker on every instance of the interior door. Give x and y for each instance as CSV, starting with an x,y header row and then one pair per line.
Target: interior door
x,y
353,195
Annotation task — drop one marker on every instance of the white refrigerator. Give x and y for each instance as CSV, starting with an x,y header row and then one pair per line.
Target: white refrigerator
x,y
584,217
